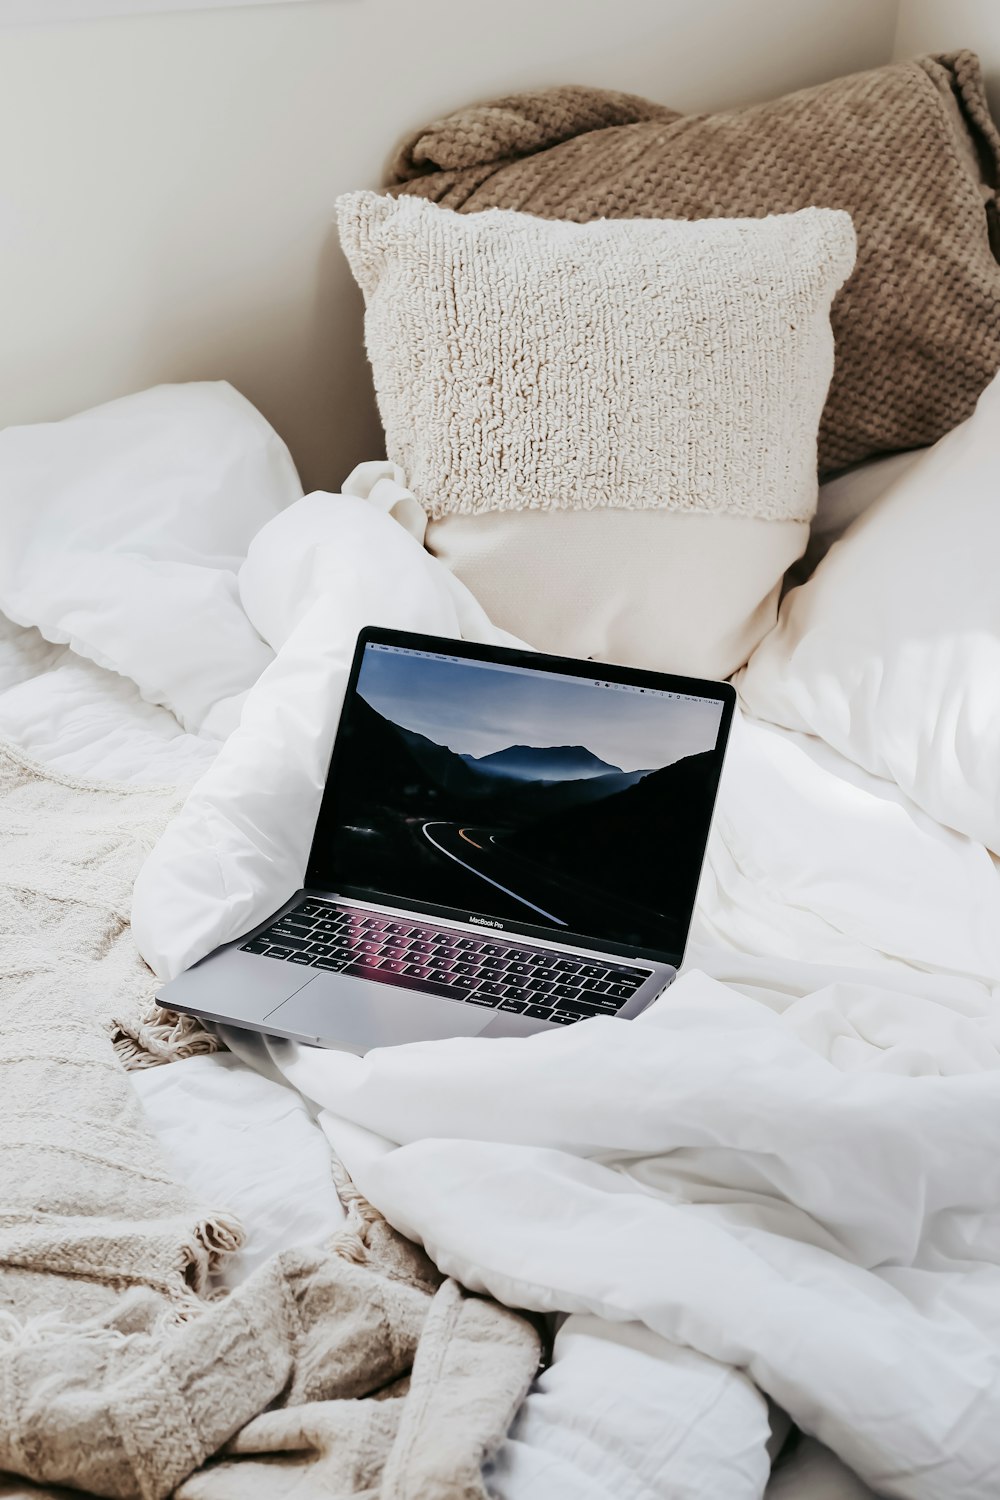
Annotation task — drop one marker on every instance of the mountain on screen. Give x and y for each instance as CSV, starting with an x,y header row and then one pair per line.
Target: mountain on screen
x,y
402,763
543,763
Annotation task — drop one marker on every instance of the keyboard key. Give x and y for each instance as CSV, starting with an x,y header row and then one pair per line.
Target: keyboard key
x,y
538,1013
492,963
490,988
369,945
255,945
315,908
465,969
332,964
490,950
595,986
620,991
569,965
521,995
519,955
288,937
280,950
562,1019
516,968
566,992
517,1006
469,944
439,975
481,998
301,958
541,972
574,1008
591,971
395,965
462,981
417,971
327,927
296,919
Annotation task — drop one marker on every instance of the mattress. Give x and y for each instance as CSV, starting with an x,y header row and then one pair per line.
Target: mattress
x,y
833,916
615,1418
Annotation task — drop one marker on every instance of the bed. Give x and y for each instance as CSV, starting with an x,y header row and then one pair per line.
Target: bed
x,y
844,940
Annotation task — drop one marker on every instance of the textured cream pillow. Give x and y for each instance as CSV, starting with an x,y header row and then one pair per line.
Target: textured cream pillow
x,y
612,426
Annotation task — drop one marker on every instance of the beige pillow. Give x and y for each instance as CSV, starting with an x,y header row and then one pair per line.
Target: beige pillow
x,y
908,150
611,426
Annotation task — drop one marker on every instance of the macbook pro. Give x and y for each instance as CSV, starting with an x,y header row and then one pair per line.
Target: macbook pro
x,y
507,842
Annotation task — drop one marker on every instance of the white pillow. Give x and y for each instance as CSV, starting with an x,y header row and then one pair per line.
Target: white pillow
x,y
891,652
611,426
842,500
141,511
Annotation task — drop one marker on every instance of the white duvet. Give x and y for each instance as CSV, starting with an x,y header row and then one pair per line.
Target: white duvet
x,y
783,1182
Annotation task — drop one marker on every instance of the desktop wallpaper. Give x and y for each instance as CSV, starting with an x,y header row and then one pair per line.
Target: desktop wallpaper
x,y
526,798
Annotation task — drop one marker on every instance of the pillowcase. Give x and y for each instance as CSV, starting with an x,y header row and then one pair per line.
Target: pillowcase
x,y
891,652
909,150
142,510
841,501
612,426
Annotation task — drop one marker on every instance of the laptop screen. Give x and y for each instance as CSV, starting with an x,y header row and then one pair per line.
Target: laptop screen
x,y
521,797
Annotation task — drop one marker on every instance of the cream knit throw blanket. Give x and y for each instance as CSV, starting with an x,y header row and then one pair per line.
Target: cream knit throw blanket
x,y
119,1375
71,850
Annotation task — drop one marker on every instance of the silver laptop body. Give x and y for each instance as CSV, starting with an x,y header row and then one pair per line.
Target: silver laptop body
x,y
508,843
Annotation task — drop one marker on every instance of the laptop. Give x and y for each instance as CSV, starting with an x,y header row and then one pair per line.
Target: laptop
x,y
508,842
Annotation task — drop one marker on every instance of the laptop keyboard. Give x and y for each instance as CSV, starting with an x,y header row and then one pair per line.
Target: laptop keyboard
x,y
546,984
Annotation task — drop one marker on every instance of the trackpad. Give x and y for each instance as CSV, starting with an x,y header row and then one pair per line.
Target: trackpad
x,y
357,1014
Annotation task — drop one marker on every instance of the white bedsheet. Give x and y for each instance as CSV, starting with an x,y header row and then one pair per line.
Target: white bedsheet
x,y
249,1142
789,1176
86,721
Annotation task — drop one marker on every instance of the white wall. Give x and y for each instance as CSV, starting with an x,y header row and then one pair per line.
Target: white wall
x,y
949,25
167,181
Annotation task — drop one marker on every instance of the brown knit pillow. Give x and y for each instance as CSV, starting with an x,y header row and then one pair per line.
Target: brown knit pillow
x,y
909,150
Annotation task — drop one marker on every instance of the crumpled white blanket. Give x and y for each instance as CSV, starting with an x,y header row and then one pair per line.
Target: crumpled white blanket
x,y
785,1174
824,1224
706,1173
313,578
